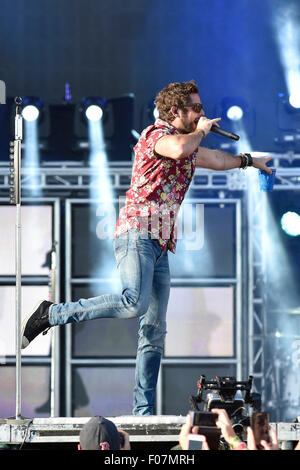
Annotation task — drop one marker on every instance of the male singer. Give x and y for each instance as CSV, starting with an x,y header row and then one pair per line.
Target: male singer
x,y
166,156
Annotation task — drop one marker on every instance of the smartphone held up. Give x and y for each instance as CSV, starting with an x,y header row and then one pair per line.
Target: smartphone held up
x,y
196,441
260,427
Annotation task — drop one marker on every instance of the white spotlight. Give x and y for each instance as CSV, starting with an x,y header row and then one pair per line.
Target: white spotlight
x,y
290,223
286,28
294,100
30,113
94,113
235,113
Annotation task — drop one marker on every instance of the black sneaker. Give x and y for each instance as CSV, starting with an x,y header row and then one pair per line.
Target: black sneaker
x,y
35,323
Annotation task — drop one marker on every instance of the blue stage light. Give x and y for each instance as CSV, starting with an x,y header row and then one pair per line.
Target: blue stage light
x,y
235,113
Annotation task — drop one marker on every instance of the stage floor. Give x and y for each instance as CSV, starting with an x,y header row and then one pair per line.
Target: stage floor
x,y
147,430
66,430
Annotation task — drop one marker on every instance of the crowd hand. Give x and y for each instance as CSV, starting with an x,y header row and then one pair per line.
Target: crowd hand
x,y
187,429
206,124
261,164
125,435
272,445
223,422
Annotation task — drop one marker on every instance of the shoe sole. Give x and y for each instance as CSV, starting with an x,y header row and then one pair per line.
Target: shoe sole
x,y
24,340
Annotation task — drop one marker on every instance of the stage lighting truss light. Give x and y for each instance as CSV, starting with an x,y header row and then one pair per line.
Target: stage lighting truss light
x,y
291,103
30,113
93,108
288,121
94,112
235,113
294,100
290,223
32,107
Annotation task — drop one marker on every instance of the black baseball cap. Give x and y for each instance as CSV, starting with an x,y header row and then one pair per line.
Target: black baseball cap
x,y
99,433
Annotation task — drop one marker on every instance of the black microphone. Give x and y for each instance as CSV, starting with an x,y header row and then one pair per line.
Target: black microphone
x,y
230,135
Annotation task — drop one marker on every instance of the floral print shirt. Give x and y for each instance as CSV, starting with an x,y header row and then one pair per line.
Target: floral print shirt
x,y
158,186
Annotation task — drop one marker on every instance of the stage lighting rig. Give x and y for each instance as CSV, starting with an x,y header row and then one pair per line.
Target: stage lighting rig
x,y
291,103
32,108
290,223
232,109
93,108
288,120
294,100
110,125
120,134
236,115
288,112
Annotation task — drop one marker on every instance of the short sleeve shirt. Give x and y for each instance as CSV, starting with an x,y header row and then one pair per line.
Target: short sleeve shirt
x,y
157,189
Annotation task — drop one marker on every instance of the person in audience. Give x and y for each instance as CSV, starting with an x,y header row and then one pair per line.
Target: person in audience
x,y
100,433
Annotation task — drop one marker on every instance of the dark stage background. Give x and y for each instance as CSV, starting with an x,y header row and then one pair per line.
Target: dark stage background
x,y
111,47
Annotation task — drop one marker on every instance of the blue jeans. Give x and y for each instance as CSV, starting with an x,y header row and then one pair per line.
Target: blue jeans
x,y
145,279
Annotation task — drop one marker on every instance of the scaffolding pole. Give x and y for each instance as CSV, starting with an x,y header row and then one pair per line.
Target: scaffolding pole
x,y
15,198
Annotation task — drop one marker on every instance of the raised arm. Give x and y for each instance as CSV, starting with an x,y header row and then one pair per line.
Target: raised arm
x,y
221,161
182,145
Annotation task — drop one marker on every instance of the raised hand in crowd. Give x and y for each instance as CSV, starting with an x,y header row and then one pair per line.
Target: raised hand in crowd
x,y
187,429
223,422
234,441
272,445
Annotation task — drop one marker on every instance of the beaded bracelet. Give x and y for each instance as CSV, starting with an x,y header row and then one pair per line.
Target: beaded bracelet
x,y
250,159
246,160
243,161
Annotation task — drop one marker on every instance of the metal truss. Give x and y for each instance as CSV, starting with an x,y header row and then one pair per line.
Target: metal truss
x,y
256,295
261,366
71,176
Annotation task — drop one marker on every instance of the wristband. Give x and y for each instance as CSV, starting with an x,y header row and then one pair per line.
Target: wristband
x,y
236,443
203,133
250,159
243,161
240,446
246,160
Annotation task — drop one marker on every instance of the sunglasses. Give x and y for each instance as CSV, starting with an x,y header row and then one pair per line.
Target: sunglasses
x,y
196,107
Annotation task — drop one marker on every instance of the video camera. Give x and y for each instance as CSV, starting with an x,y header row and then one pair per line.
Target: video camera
x,y
221,393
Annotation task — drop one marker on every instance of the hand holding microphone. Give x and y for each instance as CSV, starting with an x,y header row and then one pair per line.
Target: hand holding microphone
x,y
211,125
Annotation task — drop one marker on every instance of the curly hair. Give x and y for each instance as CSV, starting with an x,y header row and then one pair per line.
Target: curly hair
x,y
174,94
